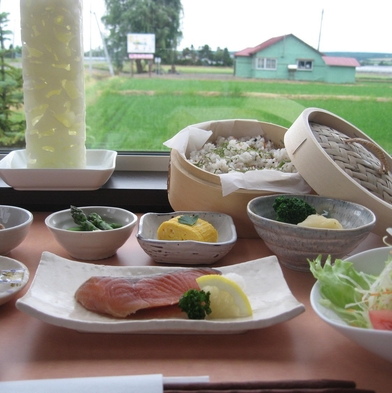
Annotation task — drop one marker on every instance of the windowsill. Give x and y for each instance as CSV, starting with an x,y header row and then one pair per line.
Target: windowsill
x,y
139,184
138,191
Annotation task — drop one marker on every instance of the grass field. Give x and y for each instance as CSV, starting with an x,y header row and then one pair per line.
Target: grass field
x,y
140,112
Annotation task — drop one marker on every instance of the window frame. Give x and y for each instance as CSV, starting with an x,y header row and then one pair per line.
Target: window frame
x,y
266,63
305,61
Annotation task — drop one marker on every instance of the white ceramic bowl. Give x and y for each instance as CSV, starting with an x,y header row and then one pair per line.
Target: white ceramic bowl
x,y
17,222
94,245
14,277
294,245
186,252
376,341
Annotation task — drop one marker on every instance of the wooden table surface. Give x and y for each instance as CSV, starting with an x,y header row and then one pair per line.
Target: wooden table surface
x,y
301,348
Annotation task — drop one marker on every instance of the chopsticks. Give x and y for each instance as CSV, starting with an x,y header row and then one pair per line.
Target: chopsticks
x,y
292,386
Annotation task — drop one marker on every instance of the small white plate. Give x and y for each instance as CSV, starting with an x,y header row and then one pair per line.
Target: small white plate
x,y
100,165
14,276
186,252
51,298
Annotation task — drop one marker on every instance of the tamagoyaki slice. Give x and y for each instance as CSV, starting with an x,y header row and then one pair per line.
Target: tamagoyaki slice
x,y
201,231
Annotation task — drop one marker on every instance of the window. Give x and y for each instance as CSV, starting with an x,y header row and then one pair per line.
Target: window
x,y
265,63
146,111
306,65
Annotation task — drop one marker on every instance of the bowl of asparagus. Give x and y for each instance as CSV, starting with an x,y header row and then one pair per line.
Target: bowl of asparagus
x,y
91,232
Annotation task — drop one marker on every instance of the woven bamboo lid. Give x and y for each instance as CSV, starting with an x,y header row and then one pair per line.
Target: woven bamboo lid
x,y
340,161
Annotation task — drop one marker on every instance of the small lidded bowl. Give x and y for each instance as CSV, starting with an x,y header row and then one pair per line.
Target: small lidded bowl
x,y
15,223
186,252
92,245
294,245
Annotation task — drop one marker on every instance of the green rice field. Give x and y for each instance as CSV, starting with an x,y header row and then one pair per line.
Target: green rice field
x,y
138,113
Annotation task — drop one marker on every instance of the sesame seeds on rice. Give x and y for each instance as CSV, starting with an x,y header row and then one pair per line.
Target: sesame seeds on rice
x,y
241,155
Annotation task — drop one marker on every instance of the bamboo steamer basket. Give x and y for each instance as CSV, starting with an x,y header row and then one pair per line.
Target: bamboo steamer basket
x,y
191,188
340,161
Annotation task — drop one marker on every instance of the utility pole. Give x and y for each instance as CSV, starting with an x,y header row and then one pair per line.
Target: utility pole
x,y
91,51
321,27
104,47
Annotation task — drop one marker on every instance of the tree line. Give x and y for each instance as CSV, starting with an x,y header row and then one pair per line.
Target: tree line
x,y
12,125
205,56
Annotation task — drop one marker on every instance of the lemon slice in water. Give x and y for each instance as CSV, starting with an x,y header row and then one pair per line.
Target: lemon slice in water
x,y
228,300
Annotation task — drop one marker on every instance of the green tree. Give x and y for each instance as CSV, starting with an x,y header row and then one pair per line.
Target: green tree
x,y
227,59
206,55
159,17
11,94
189,55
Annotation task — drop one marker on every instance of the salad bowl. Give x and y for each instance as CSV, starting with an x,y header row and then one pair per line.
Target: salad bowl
x,y
375,341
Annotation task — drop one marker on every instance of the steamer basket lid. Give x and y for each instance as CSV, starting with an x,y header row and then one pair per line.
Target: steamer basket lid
x,y
340,161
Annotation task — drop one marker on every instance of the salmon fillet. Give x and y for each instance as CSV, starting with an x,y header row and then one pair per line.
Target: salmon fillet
x,y
123,296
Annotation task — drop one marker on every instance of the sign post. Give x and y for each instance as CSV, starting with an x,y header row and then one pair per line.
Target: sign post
x,y
141,47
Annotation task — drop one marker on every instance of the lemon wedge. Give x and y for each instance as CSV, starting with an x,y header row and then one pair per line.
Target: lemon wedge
x,y
228,300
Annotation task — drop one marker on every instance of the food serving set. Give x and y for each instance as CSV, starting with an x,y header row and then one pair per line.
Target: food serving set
x,y
333,159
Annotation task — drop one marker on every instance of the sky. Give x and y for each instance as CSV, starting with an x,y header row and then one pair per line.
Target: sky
x,y
326,25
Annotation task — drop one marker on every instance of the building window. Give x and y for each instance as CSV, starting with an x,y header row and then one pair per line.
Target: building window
x,y
306,65
265,63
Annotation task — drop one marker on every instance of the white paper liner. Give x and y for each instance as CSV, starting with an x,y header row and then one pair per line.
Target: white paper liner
x,y
193,138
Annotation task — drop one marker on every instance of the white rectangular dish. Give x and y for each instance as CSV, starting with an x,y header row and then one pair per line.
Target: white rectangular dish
x,y
100,166
50,298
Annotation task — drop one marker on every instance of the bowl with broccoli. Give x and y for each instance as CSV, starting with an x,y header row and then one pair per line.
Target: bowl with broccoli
x,y
301,227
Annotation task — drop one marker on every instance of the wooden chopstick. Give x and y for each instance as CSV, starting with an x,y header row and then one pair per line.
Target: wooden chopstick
x,y
292,386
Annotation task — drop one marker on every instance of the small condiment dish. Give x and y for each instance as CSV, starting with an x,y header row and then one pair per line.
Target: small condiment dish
x,y
14,276
92,245
294,245
186,252
16,222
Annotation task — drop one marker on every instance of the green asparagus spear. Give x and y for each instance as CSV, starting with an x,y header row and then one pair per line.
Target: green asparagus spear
x,y
97,220
81,219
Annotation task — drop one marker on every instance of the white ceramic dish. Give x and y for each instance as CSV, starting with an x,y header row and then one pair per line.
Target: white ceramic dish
x,y
17,223
92,245
99,167
11,282
50,298
186,252
376,341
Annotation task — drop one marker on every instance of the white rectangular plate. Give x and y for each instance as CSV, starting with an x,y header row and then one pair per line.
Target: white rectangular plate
x,y
100,165
50,298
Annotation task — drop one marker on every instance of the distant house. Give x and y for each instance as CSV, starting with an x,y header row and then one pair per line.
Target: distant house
x,y
288,57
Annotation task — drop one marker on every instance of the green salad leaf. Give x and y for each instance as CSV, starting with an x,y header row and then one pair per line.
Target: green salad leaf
x,y
342,289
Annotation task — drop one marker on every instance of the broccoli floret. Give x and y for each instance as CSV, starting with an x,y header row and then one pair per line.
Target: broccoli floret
x,y
196,303
292,210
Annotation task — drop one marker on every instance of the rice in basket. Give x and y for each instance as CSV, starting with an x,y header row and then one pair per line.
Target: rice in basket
x,y
194,187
